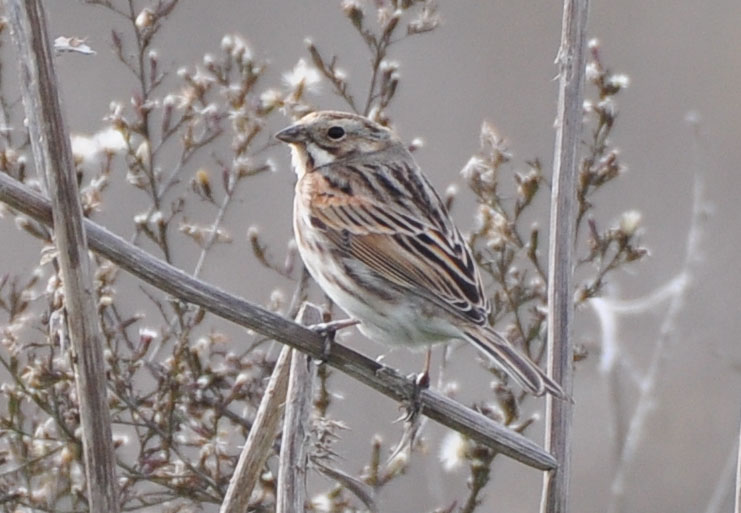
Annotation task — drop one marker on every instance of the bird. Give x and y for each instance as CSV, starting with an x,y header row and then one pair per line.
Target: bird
x,y
375,236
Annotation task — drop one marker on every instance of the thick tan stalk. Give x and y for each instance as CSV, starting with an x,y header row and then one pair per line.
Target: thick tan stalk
x,y
53,160
571,61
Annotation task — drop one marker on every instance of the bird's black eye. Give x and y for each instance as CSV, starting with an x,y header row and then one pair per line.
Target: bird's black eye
x,y
336,132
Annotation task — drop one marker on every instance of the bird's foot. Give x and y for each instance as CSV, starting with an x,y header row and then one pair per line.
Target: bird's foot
x,y
413,405
328,330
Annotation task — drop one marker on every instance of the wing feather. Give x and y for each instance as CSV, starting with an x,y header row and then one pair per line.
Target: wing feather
x,y
411,241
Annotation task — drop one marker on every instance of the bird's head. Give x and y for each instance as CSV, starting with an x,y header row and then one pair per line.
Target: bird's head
x,y
324,137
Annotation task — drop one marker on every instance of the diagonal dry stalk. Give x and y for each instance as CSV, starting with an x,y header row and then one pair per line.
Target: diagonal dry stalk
x,y
260,440
53,158
381,378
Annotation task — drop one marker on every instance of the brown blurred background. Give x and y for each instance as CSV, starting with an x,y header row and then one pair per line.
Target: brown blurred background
x,y
494,61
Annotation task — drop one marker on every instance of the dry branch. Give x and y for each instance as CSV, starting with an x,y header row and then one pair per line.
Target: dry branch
x,y
678,295
381,378
53,157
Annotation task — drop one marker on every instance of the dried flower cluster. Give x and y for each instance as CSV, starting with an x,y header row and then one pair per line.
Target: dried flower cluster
x,y
506,246
182,399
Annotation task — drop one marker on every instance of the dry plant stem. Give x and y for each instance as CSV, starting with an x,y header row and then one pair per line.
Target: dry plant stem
x,y
571,61
614,364
729,476
357,487
53,156
260,440
373,374
292,467
647,389
211,240
737,502
724,483
214,229
480,474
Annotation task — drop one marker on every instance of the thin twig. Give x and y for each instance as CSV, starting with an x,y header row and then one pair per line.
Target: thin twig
x,y
571,61
53,157
647,390
357,487
216,224
725,481
373,374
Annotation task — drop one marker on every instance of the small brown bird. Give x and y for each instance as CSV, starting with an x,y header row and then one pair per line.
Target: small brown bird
x,y
378,240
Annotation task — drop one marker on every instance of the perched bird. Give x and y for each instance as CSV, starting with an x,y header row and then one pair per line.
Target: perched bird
x,y
378,240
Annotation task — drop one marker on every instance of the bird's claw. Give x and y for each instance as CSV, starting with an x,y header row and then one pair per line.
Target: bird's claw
x,y
328,330
414,405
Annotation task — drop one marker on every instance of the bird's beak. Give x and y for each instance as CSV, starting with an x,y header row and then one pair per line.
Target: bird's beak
x,y
292,134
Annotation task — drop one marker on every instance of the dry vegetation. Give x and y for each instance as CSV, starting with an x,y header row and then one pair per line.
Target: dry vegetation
x,y
182,399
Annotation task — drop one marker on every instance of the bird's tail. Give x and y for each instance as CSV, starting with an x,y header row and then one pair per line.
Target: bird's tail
x,y
516,364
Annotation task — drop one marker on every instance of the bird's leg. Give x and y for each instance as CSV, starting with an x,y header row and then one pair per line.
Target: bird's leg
x,y
421,382
327,330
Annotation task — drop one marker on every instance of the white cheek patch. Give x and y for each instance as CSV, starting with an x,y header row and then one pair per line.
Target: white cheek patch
x,y
300,157
320,155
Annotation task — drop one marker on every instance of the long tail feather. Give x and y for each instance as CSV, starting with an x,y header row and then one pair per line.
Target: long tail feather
x,y
514,363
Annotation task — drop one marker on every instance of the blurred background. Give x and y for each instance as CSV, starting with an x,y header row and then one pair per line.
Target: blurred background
x,y
494,61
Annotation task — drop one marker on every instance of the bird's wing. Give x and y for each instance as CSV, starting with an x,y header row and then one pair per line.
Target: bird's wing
x,y
407,239
514,362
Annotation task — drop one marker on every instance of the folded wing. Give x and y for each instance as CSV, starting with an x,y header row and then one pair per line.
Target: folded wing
x,y
409,241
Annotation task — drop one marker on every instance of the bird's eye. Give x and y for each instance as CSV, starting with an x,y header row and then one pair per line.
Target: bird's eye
x,y
336,132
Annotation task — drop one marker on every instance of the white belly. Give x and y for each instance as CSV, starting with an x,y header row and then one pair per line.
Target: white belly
x,y
397,319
